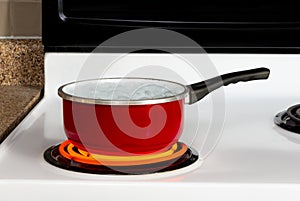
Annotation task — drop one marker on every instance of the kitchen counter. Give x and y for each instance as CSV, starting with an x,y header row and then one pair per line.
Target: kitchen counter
x,y
15,103
21,80
21,62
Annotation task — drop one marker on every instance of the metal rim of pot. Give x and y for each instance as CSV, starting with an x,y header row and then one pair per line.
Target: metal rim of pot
x,y
70,97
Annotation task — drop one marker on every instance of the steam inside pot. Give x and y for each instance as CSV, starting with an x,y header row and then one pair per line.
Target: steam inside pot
x,y
120,89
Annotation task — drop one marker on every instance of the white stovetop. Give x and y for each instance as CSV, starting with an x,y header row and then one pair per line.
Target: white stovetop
x,y
252,161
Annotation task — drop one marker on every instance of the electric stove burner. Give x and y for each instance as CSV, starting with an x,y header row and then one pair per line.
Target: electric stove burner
x,y
69,157
289,119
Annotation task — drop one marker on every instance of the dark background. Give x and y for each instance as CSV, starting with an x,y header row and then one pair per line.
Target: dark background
x,y
218,26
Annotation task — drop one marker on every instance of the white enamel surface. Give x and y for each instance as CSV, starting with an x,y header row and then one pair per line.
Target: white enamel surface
x,y
254,159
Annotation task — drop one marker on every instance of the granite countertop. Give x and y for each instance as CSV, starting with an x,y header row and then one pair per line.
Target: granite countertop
x,y
21,80
16,102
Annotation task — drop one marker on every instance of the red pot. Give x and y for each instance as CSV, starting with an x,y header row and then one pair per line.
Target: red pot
x,y
110,125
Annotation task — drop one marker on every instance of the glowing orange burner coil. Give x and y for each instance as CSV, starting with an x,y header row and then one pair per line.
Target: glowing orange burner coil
x,y
69,151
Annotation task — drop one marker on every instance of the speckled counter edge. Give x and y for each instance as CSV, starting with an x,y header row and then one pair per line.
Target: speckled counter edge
x,y
21,80
15,105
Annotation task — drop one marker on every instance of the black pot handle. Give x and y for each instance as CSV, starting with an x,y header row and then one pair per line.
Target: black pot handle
x,y
201,89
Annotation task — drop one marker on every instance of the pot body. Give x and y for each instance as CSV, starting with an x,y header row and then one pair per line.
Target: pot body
x,y
123,129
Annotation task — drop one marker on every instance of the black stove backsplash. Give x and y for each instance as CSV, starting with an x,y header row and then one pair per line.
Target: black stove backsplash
x,y
218,26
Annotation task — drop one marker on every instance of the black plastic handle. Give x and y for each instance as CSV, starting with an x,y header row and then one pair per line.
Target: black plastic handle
x,y
201,89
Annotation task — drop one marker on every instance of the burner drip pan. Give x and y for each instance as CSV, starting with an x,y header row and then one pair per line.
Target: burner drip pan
x,y
62,156
289,119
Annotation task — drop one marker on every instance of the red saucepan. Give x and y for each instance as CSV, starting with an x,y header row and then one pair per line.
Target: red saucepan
x,y
128,116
